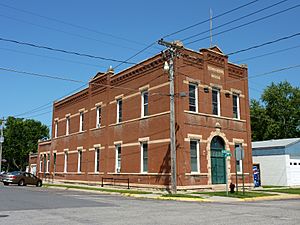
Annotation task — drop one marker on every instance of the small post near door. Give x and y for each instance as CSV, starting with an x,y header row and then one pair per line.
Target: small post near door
x,y
226,153
239,156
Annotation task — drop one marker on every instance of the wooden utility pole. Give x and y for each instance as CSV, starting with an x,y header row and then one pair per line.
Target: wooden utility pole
x,y
172,47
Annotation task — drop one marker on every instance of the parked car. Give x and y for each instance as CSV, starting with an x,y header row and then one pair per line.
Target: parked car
x,y
21,178
1,175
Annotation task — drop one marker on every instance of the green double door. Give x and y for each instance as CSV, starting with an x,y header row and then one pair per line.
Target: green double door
x,y
218,174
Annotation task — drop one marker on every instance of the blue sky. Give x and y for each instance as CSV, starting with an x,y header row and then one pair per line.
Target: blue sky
x,y
118,30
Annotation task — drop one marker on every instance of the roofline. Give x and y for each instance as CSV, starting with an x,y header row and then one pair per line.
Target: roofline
x,y
278,146
69,96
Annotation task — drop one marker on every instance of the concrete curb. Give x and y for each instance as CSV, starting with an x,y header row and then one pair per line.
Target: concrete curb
x,y
275,197
157,196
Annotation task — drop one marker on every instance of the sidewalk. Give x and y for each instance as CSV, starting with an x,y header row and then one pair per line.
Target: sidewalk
x,y
158,194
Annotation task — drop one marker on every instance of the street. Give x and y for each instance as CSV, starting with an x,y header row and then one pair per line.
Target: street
x,y
32,205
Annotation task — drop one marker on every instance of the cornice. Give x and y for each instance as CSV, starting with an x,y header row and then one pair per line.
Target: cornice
x,y
136,71
72,99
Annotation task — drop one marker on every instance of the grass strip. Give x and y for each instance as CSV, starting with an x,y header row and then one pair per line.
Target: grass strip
x,y
236,194
295,191
98,189
181,196
270,186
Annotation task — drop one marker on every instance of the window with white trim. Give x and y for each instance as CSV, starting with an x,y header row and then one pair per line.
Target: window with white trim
x,y
239,163
45,163
41,163
54,162
67,125
79,166
98,118
145,103
118,158
216,102
193,97
119,110
236,106
144,157
97,160
55,129
81,121
48,163
66,162
194,154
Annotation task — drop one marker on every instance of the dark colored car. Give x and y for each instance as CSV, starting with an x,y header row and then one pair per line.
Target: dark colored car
x,y
21,178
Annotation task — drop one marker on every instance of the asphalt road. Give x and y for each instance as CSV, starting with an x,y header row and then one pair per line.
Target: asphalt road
x,y
32,205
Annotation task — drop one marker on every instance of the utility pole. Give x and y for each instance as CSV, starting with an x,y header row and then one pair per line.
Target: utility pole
x,y
1,141
170,67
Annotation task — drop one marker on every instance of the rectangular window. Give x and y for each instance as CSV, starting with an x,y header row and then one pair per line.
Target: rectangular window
x,y
216,102
98,119
194,152
66,162
45,163
67,125
41,163
236,106
55,129
239,163
81,121
144,157
144,103
79,161
48,163
119,110
193,98
54,162
118,158
97,159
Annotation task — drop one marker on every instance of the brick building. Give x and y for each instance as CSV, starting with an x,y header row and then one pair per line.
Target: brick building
x,y
119,125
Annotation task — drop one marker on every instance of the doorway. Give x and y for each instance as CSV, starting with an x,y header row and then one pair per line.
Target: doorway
x,y
218,173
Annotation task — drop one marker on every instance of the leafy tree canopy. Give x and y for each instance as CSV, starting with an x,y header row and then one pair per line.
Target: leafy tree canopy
x,y
278,116
20,138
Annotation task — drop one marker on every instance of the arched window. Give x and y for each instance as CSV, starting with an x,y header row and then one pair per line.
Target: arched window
x,y
217,143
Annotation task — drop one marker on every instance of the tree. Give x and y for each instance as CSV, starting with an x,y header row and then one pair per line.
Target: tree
x,y
21,138
279,114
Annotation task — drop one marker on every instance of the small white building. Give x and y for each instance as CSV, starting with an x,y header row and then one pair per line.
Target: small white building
x,y
278,161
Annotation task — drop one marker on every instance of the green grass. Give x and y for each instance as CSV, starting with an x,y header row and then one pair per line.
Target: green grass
x,y
98,189
181,196
270,186
285,190
236,195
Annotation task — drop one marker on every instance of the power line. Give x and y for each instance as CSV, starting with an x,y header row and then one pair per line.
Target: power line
x,y
207,20
49,103
267,54
41,75
245,24
67,79
235,20
139,52
250,77
63,51
53,58
153,43
264,44
70,24
68,33
40,114
40,108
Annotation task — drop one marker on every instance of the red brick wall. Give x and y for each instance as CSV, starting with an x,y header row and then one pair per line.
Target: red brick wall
x,y
104,88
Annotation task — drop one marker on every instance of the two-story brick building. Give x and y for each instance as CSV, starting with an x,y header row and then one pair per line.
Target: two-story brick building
x,y
119,126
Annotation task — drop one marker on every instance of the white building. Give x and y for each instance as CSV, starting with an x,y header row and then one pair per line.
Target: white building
x,y
278,161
